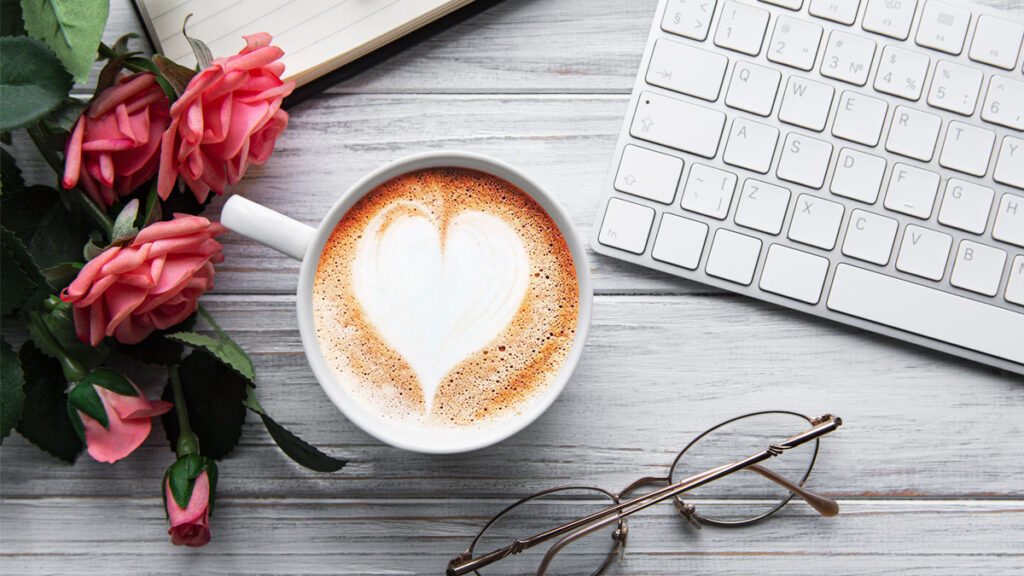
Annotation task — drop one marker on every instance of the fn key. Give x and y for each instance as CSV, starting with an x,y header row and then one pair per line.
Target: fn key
x,y
626,226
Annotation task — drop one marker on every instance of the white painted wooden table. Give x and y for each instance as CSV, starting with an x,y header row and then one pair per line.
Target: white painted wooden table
x,y
928,469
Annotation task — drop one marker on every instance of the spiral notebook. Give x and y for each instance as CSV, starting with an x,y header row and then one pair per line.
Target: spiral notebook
x,y
317,36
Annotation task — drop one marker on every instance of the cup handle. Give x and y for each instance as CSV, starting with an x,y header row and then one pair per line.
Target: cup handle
x,y
272,229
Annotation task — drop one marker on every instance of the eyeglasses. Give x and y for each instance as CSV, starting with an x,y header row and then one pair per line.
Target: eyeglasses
x,y
766,484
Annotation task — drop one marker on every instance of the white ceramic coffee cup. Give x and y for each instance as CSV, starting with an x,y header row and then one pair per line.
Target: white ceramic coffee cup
x,y
305,243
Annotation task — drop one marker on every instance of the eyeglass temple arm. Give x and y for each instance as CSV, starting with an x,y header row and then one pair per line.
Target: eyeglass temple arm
x,y
822,504
465,564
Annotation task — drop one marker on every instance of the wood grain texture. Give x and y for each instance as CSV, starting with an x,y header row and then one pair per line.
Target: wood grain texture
x,y
927,466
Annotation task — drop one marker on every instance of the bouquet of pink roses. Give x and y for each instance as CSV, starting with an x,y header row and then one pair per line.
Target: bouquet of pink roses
x,y
112,261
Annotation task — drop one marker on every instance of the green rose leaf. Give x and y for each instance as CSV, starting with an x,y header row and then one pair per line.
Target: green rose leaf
x,y
213,396
21,284
71,28
44,418
124,224
12,380
176,75
63,119
181,478
296,448
59,276
84,398
222,347
54,332
11,23
32,82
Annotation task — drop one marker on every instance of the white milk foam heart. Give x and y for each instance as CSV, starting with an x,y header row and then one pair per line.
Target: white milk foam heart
x,y
437,302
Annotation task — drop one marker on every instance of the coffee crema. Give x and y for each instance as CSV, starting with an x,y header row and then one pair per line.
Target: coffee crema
x,y
445,298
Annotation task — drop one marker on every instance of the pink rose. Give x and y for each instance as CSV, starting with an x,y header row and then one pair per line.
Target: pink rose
x,y
190,526
153,283
228,117
126,411
114,146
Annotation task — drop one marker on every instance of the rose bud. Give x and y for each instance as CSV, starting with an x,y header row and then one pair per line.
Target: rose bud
x,y
227,118
189,485
114,147
153,283
111,415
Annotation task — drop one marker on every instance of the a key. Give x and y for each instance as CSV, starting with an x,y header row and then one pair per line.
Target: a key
x,y
690,18
677,124
848,57
924,252
626,226
1009,226
1004,103
680,241
913,133
686,69
869,237
1010,163
708,191
648,174
841,11
901,72
804,160
966,205
943,27
794,42
890,17
753,88
751,145
741,28
806,103
955,88
996,42
967,148
762,206
978,268
816,221
733,256
1015,285
791,4
911,190
859,118
858,175
793,273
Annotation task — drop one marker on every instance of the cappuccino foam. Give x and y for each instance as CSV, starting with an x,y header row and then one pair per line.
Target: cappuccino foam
x,y
445,298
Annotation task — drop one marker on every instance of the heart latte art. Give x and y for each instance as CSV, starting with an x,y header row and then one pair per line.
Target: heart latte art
x,y
445,298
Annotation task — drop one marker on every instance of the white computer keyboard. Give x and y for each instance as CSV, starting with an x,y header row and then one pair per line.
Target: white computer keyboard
x,y
861,160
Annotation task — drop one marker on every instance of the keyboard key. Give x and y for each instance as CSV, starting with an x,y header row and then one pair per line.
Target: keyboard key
x,y
966,205
943,27
626,226
709,191
967,148
741,28
751,145
1010,164
841,11
648,174
1009,225
794,42
1015,285
913,133
927,312
911,190
804,160
859,118
793,273
762,206
753,88
955,88
677,124
791,4
858,176
901,72
869,237
924,252
1004,103
690,18
733,257
686,69
680,241
816,221
996,42
848,57
806,103
978,268
890,17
